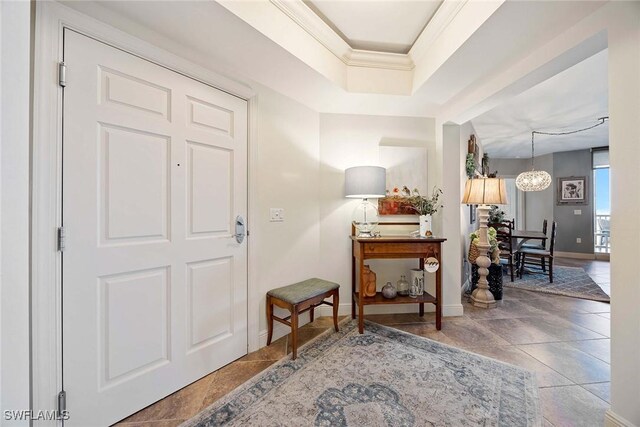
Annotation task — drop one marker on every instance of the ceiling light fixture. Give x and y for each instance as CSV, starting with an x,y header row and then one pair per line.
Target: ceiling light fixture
x,y
534,180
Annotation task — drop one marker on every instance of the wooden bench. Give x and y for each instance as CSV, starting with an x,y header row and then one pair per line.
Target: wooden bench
x,y
298,298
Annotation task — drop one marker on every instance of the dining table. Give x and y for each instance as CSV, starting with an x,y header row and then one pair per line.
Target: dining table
x,y
526,235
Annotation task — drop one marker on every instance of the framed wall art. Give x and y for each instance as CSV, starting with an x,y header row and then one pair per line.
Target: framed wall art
x,y
572,190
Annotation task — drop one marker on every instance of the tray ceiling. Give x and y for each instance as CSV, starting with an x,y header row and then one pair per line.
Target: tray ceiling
x,y
380,26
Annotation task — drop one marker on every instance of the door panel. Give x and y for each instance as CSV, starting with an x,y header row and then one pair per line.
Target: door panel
x,y
154,284
210,178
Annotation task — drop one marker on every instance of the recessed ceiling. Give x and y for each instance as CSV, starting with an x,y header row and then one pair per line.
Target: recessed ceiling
x,y
187,28
381,26
570,100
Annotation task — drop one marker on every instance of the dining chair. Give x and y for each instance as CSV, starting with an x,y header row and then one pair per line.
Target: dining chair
x,y
506,245
543,243
605,231
538,257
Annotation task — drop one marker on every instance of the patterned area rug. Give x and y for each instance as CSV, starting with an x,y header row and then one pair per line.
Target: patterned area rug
x,y
384,377
568,281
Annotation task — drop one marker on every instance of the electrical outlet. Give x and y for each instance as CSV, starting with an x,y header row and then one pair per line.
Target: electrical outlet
x,y
276,214
577,211
578,240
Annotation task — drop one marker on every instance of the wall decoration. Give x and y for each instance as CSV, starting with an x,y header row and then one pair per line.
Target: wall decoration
x,y
472,214
572,191
406,170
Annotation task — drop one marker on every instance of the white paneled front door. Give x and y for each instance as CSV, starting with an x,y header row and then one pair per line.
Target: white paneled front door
x,y
154,282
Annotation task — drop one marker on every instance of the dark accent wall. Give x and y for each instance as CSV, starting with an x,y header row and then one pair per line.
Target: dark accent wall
x,y
570,225
542,204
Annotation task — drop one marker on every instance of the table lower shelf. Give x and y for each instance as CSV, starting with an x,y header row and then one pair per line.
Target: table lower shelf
x,y
379,299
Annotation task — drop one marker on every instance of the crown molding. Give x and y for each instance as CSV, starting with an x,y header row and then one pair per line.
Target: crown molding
x,y
373,59
440,20
307,19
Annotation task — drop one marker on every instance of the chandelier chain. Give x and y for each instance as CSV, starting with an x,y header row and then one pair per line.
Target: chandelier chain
x,y
601,121
539,180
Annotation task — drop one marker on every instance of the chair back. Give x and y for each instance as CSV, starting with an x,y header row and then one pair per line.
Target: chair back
x,y
604,225
504,235
552,237
544,230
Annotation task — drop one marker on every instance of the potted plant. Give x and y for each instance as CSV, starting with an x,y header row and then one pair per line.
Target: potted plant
x,y
425,207
470,166
496,215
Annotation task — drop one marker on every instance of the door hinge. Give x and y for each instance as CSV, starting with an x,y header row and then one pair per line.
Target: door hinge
x,y
62,74
62,405
61,239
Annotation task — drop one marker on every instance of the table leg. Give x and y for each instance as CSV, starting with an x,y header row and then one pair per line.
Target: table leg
x,y
439,296
421,309
360,297
353,282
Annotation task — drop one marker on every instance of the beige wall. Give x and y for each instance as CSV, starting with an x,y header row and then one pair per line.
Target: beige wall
x,y
353,140
624,140
286,175
466,130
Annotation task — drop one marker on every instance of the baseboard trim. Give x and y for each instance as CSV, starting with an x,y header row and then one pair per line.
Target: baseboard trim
x,y
452,310
574,255
611,419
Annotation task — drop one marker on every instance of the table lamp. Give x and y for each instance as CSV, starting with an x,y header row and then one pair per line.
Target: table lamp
x,y
365,182
484,192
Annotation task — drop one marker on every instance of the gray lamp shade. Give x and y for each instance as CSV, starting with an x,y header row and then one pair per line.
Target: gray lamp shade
x,y
364,182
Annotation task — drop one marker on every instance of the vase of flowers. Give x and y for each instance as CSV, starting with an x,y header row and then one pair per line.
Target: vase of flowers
x,y
425,207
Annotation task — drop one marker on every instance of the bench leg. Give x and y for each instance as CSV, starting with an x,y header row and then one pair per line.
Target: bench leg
x,y
269,320
311,314
294,330
336,305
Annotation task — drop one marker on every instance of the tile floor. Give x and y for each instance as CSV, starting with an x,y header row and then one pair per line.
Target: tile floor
x,y
564,340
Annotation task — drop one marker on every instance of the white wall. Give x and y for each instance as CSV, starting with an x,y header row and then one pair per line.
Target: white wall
x,y
286,173
14,200
353,140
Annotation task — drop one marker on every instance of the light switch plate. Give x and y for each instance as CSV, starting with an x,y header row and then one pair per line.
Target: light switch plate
x,y
276,214
577,211
578,240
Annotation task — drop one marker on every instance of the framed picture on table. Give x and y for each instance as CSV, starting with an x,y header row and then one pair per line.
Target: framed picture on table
x,y
572,191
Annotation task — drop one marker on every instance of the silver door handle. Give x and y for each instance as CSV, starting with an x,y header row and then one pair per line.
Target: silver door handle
x,y
240,229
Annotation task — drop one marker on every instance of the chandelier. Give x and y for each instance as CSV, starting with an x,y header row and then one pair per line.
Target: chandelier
x,y
534,180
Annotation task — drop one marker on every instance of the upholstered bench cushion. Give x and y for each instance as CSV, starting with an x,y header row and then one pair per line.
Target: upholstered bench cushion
x,y
302,291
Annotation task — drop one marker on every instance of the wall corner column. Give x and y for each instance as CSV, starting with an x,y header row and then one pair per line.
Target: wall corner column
x,y
448,179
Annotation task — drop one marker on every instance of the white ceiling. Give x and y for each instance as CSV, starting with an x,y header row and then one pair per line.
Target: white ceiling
x,y
383,26
209,35
572,99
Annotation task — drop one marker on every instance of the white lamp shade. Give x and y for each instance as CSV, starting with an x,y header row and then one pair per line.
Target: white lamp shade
x,y
485,191
364,182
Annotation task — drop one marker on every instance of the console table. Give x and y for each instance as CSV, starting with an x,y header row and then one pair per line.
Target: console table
x,y
389,247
